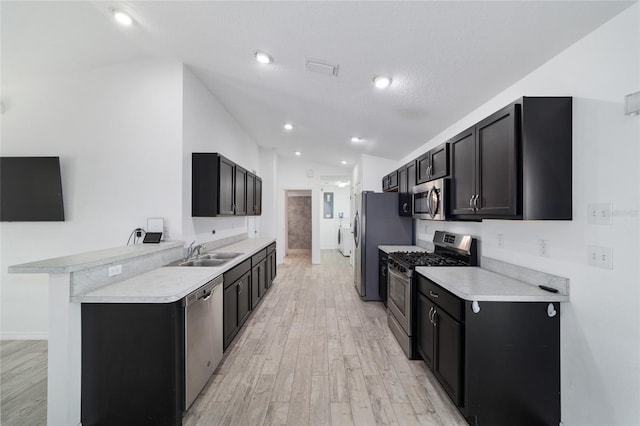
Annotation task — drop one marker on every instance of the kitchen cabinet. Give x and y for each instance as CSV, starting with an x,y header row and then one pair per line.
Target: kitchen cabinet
x,y
132,363
440,335
236,300
390,182
383,278
258,277
499,363
433,164
406,182
221,187
515,164
271,265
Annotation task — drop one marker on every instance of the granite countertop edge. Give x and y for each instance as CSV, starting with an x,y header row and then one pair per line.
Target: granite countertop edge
x,y
81,261
139,289
477,284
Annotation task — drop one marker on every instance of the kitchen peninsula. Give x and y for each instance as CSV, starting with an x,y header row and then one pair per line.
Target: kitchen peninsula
x,y
130,274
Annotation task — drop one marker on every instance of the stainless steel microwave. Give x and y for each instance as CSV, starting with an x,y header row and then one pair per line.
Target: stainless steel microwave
x,y
430,199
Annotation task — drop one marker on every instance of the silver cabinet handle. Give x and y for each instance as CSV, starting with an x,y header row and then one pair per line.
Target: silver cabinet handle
x,y
404,207
434,295
475,202
471,201
433,317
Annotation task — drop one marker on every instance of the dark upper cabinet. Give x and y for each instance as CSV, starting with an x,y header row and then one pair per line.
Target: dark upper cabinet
x,y
226,179
433,164
516,163
220,187
240,191
251,194
406,182
258,196
390,182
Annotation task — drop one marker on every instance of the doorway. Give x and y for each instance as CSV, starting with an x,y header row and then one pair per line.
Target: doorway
x,y
298,222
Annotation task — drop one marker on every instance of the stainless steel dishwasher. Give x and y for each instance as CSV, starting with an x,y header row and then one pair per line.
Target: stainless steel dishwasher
x,y
202,336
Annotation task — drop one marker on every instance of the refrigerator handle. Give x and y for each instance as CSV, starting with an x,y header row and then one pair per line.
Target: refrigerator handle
x,y
356,229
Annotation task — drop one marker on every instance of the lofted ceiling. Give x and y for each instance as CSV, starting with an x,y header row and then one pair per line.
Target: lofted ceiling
x,y
445,58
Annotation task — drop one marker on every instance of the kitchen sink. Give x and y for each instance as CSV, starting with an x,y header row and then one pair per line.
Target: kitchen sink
x,y
203,262
226,256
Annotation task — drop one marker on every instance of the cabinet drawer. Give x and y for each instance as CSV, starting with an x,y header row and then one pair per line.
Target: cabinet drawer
x,y
234,274
441,297
256,258
271,248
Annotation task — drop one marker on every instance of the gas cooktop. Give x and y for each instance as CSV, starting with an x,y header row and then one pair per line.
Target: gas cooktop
x,y
416,258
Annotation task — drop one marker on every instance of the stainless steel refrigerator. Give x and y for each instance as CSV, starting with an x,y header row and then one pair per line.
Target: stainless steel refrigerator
x,y
376,222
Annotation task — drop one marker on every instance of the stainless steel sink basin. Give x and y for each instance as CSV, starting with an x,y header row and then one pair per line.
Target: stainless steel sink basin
x,y
203,262
226,256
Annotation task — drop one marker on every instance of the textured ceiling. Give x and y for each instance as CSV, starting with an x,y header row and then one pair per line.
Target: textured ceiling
x,y
445,57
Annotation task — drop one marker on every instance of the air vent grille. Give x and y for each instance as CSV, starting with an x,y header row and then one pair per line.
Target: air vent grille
x,y
321,67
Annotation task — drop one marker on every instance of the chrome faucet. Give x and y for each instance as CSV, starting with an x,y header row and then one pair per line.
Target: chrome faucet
x,y
193,250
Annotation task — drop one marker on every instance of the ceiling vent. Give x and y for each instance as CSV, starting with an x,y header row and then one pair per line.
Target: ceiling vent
x,y
321,67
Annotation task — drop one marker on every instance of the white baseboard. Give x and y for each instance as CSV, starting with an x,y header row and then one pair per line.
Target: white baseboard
x,y
24,335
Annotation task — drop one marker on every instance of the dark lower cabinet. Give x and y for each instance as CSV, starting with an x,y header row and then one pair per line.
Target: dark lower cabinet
x,y
500,364
258,277
271,267
383,278
132,363
236,299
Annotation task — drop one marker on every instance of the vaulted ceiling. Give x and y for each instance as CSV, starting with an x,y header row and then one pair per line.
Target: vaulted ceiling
x,y
445,58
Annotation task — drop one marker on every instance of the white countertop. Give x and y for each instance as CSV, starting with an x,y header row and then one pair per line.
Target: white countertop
x,y
171,283
473,283
77,262
391,249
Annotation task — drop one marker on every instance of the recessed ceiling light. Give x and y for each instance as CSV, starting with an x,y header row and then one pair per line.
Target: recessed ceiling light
x,y
382,82
288,126
263,57
356,139
298,153
122,18
344,161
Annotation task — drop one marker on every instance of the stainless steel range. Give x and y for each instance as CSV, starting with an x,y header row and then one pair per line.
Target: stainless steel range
x,y
450,250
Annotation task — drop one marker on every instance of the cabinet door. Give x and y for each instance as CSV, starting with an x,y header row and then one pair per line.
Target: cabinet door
x,y
255,286
439,161
447,360
244,298
393,180
262,277
383,281
251,191
497,163
230,308
225,181
463,165
385,183
423,167
267,272
273,267
425,330
258,196
404,197
240,191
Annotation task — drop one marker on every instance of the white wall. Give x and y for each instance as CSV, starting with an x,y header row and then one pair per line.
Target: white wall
x,y
117,131
208,127
368,171
293,174
329,227
600,326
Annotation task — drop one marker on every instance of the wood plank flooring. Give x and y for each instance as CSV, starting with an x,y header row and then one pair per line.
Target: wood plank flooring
x,y
311,353
23,382
314,354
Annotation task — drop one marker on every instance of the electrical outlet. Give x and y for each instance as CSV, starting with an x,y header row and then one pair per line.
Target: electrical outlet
x,y
600,257
543,248
501,240
600,213
114,270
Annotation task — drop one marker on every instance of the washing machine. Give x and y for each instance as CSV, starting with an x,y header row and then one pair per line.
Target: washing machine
x,y
345,239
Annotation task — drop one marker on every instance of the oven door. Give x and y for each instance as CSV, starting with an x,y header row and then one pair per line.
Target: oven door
x,y
399,299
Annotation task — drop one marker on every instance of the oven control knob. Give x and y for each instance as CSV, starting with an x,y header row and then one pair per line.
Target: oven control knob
x,y
403,269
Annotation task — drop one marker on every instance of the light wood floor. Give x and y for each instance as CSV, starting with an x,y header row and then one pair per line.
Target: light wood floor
x,y
23,382
311,353
314,353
